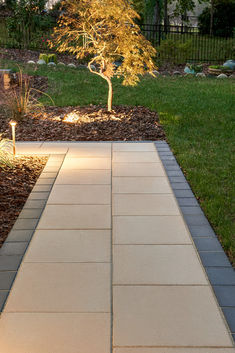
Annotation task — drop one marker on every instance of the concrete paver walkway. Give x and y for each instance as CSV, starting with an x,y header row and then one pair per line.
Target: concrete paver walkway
x,y
111,266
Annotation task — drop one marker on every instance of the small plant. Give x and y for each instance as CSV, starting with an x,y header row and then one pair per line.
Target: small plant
x,y
48,58
5,152
19,101
52,58
195,67
44,57
220,67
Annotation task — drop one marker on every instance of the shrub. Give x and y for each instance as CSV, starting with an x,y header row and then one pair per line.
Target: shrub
x,y
174,51
28,19
223,19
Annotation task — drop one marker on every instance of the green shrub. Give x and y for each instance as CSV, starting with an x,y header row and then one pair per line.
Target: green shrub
x,y
28,20
174,51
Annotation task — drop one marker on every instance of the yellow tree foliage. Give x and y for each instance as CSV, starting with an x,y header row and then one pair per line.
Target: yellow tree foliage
x,y
106,30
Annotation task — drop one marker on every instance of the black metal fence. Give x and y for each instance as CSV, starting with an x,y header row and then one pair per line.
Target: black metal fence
x,y
183,43
175,43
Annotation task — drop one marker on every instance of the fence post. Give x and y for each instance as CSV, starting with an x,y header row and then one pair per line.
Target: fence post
x,y
159,34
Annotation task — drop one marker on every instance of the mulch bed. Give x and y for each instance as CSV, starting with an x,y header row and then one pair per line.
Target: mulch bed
x,y
92,123
15,186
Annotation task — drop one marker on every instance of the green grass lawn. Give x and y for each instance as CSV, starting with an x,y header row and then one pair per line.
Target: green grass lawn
x,y
198,118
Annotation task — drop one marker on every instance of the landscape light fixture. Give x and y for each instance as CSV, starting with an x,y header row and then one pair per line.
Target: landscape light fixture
x,y
13,125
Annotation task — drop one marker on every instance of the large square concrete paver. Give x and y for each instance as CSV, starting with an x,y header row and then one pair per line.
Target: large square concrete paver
x,y
161,230
76,217
155,185
157,264
134,147
135,157
86,163
80,194
90,150
69,246
83,176
144,204
55,333
138,169
61,287
183,316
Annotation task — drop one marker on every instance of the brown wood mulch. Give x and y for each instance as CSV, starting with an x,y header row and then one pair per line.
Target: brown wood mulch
x,y
16,184
91,123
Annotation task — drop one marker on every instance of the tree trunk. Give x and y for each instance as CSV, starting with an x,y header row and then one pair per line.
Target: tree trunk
x,y
157,15
110,95
165,16
212,17
108,79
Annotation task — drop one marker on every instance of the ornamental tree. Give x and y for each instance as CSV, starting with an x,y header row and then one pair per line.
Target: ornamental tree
x,y
106,31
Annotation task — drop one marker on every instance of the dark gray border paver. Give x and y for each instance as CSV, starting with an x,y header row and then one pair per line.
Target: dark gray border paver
x,y
229,313
221,276
6,279
10,263
13,248
30,213
20,235
3,297
208,244
213,258
225,295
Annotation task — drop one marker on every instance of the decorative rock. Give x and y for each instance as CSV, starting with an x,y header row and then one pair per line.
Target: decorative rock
x,y
72,66
41,62
222,76
31,62
156,73
176,73
51,64
230,64
61,64
187,70
200,74
232,76
93,67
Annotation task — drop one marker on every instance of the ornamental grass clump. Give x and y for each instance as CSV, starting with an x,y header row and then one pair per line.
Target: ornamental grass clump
x,y
106,30
5,152
19,100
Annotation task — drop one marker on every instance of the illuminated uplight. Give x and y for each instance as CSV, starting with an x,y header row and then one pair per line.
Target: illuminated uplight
x,y
72,117
13,125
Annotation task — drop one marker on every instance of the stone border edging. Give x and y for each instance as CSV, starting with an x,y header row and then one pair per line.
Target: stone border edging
x,y
17,242
217,266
